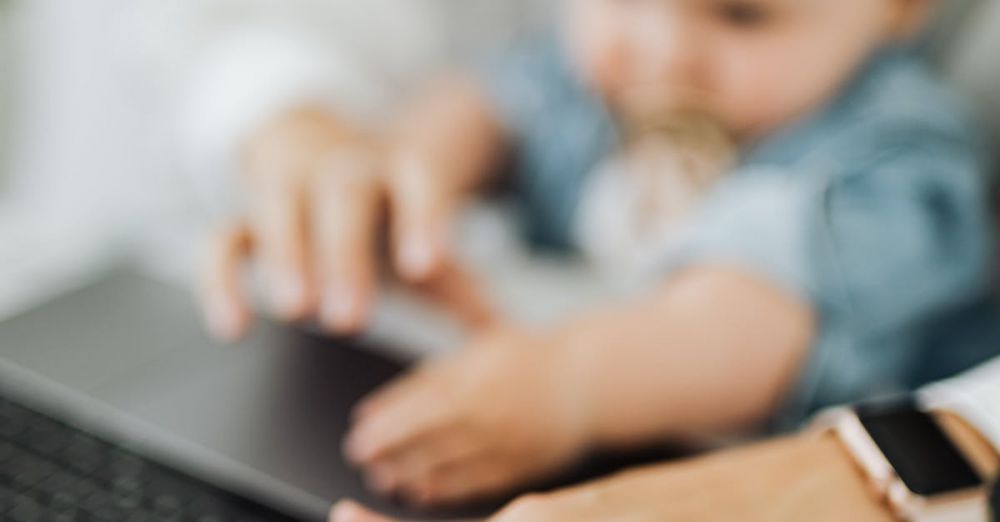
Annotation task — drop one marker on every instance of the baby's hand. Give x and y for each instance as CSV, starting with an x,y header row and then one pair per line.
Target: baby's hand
x,y
318,191
504,412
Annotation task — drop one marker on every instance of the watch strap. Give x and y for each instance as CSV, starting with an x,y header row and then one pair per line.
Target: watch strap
x,y
845,423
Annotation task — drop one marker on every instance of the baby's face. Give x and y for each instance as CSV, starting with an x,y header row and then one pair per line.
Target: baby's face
x,y
754,65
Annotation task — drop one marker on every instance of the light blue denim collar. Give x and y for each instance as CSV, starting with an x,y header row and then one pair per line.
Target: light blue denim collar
x,y
789,144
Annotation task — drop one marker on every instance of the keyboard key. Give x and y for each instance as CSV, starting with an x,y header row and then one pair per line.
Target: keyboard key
x,y
24,509
6,451
64,505
97,500
26,470
7,496
10,426
126,465
85,454
57,483
127,493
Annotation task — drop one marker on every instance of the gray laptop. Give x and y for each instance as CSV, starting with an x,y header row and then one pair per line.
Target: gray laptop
x,y
126,360
183,428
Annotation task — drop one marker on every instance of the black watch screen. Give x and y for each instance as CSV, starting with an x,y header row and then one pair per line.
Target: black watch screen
x,y
919,450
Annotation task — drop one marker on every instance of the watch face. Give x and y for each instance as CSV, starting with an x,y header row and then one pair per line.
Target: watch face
x,y
920,452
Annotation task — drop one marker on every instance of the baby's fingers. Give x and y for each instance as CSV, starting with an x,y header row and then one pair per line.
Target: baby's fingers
x,y
348,511
460,482
401,423
413,472
223,301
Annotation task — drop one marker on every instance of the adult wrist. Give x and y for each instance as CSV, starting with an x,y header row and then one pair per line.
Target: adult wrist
x,y
847,478
921,465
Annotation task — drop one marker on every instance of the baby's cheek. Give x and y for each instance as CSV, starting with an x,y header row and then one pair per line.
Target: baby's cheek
x,y
754,96
595,48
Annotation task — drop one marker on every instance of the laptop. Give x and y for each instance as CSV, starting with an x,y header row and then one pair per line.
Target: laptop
x,y
122,366
115,405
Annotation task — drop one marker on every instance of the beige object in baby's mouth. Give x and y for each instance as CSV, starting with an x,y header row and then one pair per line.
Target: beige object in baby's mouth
x,y
639,198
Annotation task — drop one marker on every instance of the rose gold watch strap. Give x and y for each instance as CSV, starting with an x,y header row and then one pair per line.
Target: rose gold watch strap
x,y
870,460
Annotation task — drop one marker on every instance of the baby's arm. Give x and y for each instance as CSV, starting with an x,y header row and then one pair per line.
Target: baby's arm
x,y
712,350
318,187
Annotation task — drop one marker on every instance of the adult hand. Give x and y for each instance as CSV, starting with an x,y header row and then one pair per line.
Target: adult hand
x,y
318,192
807,477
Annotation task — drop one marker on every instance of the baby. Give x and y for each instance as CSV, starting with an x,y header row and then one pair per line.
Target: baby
x,y
791,275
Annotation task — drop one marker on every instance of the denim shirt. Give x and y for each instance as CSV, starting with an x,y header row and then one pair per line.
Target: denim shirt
x,y
872,209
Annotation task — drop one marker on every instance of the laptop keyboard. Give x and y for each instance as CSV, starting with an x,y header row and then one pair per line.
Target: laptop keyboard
x,y
50,471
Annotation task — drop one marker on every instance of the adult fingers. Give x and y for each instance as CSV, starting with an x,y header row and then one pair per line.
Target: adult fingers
x,y
225,308
423,204
346,209
462,293
278,222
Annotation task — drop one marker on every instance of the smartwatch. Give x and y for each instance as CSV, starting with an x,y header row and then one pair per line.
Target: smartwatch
x,y
910,462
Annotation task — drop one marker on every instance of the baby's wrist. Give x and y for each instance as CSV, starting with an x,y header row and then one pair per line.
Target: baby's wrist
x,y
588,358
576,368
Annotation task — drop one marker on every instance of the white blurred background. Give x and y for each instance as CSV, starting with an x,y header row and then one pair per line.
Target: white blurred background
x,y
6,64
122,117
118,118
114,113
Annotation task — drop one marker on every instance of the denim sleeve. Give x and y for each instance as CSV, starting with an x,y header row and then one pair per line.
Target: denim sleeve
x,y
874,248
558,129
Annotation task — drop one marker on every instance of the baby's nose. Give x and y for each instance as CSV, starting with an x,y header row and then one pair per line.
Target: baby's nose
x,y
668,51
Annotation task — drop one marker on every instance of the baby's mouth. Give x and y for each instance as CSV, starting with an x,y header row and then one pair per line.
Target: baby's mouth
x,y
690,130
657,101
686,125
